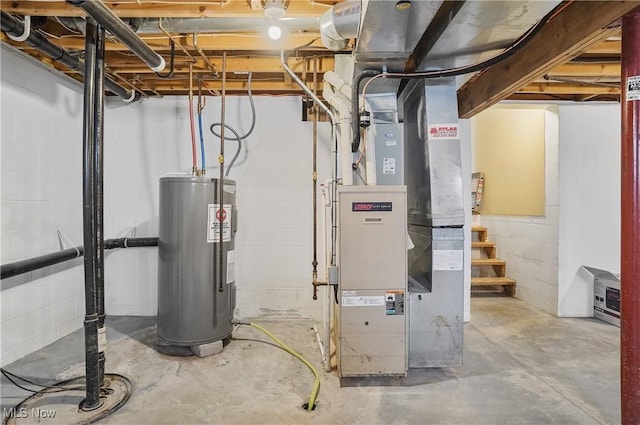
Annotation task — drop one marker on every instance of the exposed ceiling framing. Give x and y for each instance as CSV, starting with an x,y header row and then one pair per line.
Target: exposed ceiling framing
x,y
576,56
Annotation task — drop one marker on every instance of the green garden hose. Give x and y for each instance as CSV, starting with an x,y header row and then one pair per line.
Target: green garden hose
x,y
316,384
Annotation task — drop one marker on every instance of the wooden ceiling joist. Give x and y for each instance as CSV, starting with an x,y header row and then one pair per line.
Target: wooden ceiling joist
x,y
242,64
580,25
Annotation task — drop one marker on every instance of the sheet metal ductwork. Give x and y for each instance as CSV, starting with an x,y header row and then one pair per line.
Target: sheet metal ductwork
x,y
225,24
339,24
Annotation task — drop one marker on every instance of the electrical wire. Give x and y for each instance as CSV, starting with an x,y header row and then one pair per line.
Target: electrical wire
x,y
237,137
54,388
172,61
316,384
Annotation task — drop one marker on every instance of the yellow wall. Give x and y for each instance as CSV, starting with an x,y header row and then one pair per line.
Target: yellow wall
x,y
508,146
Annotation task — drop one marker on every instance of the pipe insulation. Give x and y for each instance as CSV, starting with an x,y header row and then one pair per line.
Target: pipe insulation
x,y
39,41
339,24
105,17
35,263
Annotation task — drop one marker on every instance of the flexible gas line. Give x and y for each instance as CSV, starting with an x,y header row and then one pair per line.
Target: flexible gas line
x,y
316,383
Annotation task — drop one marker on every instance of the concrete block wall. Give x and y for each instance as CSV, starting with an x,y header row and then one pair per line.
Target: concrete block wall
x,y
590,192
273,175
42,193
41,118
529,244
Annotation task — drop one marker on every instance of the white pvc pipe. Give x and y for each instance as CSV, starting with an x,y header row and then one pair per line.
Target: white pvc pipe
x,y
338,83
344,112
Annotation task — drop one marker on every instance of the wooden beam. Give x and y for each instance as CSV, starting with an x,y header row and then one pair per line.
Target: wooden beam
x,y
564,88
606,47
234,64
577,70
580,25
174,9
180,84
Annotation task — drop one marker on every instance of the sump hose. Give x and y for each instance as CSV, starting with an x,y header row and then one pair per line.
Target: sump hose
x,y
316,383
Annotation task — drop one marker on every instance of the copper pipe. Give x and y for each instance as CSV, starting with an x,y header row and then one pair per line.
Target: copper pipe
x,y
630,221
315,180
201,52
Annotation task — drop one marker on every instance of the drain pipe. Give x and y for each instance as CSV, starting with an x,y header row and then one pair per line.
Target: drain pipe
x,y
47,260
37,40
333,268
105,17
98,173
92,366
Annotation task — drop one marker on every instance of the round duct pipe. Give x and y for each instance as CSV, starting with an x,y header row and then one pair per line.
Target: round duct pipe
x,y
339,24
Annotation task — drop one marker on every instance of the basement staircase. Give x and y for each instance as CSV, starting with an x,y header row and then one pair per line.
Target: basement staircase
x,y
488,271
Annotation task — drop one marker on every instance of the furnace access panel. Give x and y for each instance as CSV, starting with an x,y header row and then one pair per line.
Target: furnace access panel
x,y
372,315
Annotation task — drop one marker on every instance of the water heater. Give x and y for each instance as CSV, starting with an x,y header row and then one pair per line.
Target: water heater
x,y
196,292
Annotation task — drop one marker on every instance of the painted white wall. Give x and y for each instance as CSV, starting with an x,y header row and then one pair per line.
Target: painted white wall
x,y
41,127
529,244
589,154
273,174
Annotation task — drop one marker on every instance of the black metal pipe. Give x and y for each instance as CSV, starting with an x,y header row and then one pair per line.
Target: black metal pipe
x,y
105,17
40,262
130,243
39,41
46,260
98,173
92,400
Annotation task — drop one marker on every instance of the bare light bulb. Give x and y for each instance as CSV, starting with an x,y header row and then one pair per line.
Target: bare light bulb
x,y
274,32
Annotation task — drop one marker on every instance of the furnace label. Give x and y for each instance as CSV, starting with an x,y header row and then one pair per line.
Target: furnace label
x,y
443,131
633,88
215,215
394,303
389,166
363,301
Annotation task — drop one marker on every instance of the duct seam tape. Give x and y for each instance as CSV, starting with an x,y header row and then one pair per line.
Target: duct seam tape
x,y
102,339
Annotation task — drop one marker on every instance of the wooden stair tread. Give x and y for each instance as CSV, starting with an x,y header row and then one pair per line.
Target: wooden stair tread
x,y
482,244
491,281
487,262
478,229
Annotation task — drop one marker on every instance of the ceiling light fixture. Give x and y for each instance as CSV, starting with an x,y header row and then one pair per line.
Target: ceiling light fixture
x,y
274,10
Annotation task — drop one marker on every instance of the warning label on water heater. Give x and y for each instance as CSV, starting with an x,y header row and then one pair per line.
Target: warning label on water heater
x,y
215,216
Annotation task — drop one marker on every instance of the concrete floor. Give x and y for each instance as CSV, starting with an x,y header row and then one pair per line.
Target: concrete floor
x,y
520,367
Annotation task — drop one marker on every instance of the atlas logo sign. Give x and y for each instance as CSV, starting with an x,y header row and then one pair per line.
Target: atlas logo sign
x,y
443,132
